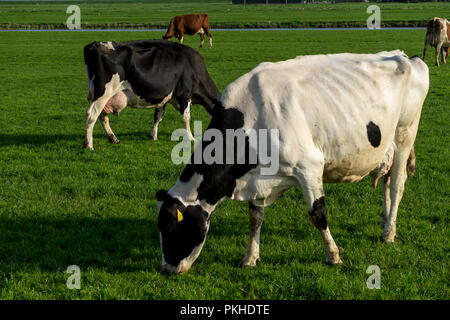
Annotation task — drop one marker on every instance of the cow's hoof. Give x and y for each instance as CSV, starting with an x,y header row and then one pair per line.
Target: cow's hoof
x,y
388,239
114,140
333,259
152,137
247,263
389,235
87,146
334,262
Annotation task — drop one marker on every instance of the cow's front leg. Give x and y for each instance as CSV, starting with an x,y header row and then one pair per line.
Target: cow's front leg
x,y
158,116
256,216
104,120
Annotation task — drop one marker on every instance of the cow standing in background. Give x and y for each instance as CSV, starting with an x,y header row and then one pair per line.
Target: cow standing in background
x,y
438,36
340,117
190,24
145,74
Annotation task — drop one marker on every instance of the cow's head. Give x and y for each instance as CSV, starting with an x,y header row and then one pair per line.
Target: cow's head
x,y
182,232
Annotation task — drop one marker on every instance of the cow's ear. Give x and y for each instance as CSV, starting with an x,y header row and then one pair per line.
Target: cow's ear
x,y
161,195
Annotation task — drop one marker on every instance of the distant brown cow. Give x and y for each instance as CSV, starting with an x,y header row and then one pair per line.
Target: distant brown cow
x,y
438,36
190,24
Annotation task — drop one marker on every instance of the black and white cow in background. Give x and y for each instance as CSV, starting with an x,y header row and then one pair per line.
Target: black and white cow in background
x,y
145,74
340,117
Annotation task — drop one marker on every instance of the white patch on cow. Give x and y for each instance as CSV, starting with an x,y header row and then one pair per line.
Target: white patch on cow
x,y
187,262
262,190
186,192
200,31
135,101
108,45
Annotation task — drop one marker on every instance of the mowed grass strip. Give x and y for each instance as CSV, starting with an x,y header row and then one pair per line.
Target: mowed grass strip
x,y
62,205
223,14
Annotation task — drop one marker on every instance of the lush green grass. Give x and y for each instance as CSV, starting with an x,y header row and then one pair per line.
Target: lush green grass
x,y
62,205
149,14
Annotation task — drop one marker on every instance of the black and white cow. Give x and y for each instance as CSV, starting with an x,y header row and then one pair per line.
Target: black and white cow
x,y
339,117
145,74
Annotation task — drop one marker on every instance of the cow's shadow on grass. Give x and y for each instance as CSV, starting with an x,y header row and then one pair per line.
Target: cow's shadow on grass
x,y
113,245
52,244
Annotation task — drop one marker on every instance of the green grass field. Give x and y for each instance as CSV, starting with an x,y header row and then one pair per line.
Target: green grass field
x,y
62,205
154,14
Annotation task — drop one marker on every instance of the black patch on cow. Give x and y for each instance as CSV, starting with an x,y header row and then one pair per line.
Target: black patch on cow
x,y
180,238
318,214
374,134
219,180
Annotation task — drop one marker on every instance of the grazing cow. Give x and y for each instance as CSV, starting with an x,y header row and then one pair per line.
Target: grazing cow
x,y
190,24
145,74
339,118
438,36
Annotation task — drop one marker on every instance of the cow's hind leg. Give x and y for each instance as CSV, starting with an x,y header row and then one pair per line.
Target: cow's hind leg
x,y
184,104
92,115
444,52
256,216
104,120
403,158
438,50
315,198
318,215
202,39
158,116
425,49
209,35
386,182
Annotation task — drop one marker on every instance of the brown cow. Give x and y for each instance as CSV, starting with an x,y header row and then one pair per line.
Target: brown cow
x,y
438,36
190,24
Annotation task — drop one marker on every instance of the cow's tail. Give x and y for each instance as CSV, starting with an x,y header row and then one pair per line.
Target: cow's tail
x,y
171,31
432,35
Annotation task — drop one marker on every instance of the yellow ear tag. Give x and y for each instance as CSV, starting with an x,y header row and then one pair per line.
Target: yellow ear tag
x,y
180,216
